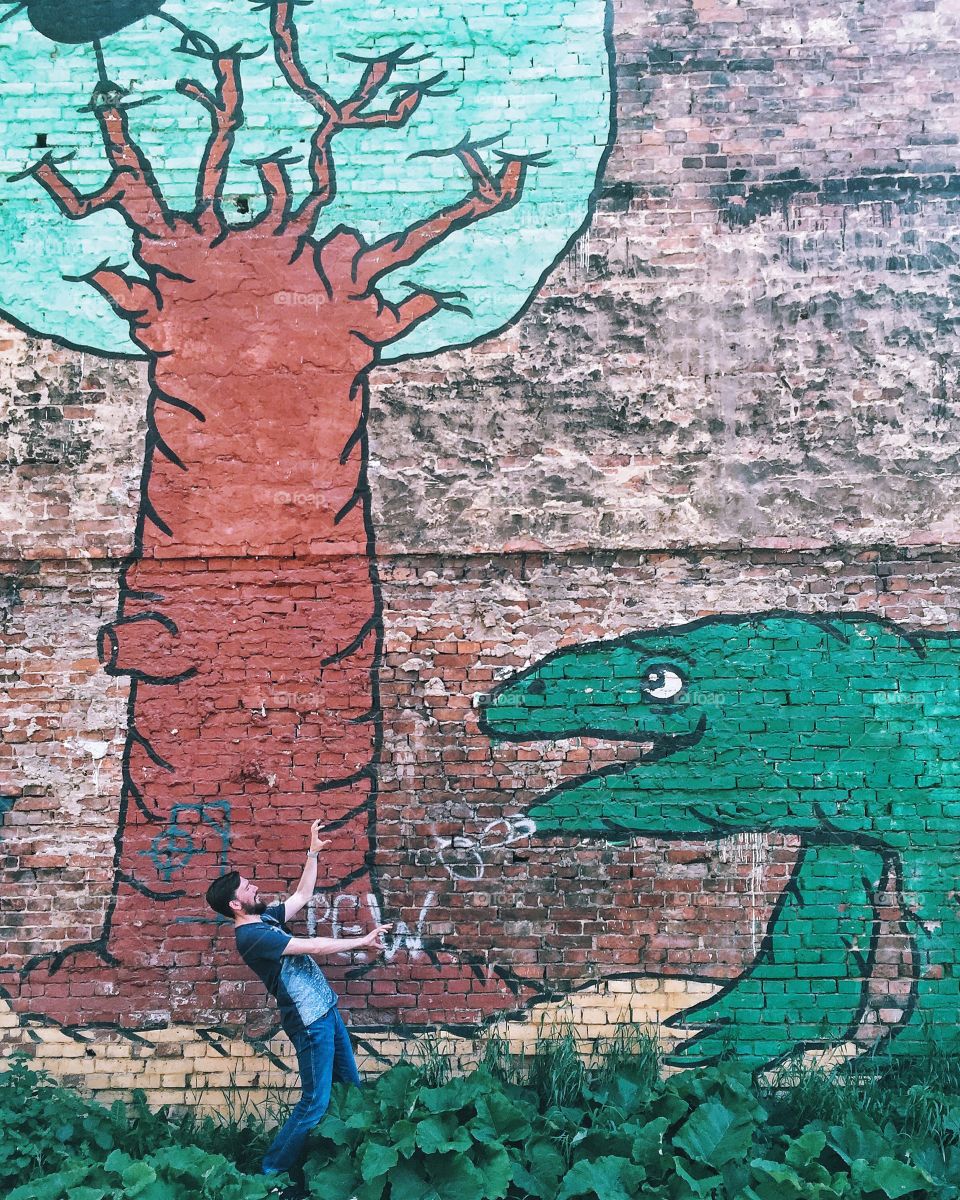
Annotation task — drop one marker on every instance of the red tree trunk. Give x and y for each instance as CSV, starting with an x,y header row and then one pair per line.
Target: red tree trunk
x,y
249,620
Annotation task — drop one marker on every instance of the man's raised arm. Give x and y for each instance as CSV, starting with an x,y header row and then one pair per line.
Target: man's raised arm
x,y
308,880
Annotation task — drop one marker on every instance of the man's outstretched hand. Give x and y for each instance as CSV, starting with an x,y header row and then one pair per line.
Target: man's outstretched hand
x,y
375,937
317,843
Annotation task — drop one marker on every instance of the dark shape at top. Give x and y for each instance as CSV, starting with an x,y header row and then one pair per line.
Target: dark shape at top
x,y
77,21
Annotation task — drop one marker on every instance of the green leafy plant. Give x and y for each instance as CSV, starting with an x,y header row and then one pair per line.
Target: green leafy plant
x,y
518,1128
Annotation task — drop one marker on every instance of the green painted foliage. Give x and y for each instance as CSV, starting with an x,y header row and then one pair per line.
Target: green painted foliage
x,y
536,73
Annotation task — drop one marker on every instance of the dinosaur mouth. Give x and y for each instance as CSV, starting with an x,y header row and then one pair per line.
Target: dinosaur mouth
x,y
651,749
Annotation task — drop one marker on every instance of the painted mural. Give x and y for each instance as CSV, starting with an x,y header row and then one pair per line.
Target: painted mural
x,y
839,729
266,202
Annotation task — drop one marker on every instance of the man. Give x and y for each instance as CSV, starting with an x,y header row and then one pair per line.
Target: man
x,y
307,1003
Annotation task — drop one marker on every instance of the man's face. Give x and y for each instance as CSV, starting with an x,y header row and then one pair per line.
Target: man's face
x,y
248,897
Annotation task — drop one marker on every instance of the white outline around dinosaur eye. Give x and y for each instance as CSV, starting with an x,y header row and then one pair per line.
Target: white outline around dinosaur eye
x,y
662,681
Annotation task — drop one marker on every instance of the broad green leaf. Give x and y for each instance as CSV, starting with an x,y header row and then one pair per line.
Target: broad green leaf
x,y
806,1148
493,1163
377,1160
442,1133
336,1181
499,1119
161,1190
942,1165
396,1090
51,1187
600,1143
407,1183
857,1139
783,1175
454,1177
137,1177
700,1180
714,1134
648,1143
403,1135
540,1168
119,1161
668,1105
373,1189
606,1178
452,1096
894,1179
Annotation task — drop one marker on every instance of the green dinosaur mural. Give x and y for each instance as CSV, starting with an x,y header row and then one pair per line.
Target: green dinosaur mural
x,y
842,730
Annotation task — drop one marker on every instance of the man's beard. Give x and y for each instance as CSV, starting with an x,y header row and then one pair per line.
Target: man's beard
x,y
257,909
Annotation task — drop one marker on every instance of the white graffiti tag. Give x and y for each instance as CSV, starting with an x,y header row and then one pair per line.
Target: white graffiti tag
x,y
349,915
463,856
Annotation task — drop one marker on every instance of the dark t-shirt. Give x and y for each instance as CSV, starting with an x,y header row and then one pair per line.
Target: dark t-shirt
x,y
299,986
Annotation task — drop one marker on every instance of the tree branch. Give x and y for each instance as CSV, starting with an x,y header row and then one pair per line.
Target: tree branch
x,y
141,200
225,107
275,180
69,200
490,194
132,298
286,48
397,319
131,188
336,117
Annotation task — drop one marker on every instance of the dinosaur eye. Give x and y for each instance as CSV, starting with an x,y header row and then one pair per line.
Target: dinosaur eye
x,y
662,683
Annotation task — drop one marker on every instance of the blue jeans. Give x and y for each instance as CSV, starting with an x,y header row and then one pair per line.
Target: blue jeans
x,y
324,1056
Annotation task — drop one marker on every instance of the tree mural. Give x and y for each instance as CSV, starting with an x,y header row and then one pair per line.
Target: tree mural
x,y
263,286
838,729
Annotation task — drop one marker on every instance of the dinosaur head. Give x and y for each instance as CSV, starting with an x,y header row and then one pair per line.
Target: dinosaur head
x,y
752,723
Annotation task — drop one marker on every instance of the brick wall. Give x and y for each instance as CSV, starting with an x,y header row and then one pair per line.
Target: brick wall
x,y
733,395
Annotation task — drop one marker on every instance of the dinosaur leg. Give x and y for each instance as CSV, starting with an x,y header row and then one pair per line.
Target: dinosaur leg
x,y
807,986
917,988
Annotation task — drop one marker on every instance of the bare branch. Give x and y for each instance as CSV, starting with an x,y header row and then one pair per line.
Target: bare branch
x,y
67,198
286,48
379,69
132,298
196,91
225,107
131,188
400,111
490,194
348,115
275,180
397,319
441,299
323,174
321,158
141,201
